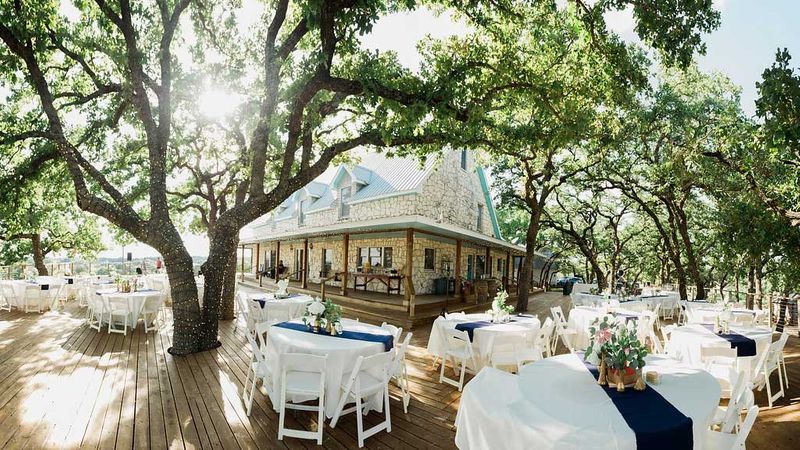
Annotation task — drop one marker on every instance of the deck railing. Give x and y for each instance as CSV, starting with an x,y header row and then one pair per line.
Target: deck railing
x,y
24,271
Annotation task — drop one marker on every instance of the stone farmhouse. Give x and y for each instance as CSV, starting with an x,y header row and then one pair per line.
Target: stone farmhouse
x,y
389,233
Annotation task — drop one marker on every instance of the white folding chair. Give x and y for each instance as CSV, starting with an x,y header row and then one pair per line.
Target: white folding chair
x,y
97,314
302,375
151,309
545,336
718,440
117,307
720,362
35,296
563,331
666,332
399,371
261,331
259,369
393,330
370,376
769,364
6,294
532,350
503,349
457,347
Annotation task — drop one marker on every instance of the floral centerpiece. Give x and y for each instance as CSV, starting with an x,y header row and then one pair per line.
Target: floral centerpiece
x,y
323,315
281,291
500,312
617,352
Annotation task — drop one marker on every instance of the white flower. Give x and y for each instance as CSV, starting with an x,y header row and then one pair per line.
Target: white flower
x,y
316,308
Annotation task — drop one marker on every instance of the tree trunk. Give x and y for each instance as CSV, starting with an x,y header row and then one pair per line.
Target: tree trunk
x,y
38,255
527,264
228,288
759,278
691,259
218,270
751,285
188,324
599,275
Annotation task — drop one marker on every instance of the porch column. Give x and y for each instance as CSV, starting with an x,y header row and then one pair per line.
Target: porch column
x,y
345,258
304,275
258,260
410,297
507,272
457,275
242,262
487,270
278,258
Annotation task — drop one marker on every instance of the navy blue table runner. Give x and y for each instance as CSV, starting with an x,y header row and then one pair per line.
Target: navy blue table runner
x,y
744,345
386,339
656,423
263,300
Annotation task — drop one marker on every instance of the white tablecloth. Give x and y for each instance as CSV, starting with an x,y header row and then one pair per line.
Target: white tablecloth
x,y
29,289
556,403
481,336
342,355
295,305
135,301
581,319
585,299
685,343
708,312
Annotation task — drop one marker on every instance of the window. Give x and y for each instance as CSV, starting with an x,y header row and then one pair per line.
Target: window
x,y
301,211
480,217
501,267
430,258
327,261
480,266
372,254
470,267
464,159
387,257
344,199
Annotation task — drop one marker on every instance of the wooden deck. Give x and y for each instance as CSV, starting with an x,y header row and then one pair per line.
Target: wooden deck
x,y
63,385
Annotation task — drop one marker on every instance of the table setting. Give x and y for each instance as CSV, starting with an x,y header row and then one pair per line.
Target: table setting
x,y
613,396
321,331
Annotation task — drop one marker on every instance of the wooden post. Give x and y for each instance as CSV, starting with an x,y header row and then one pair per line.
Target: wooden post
x,y
345,258
258,260
242,262
409,294
278,257
304,275
487,269
506,272
457,274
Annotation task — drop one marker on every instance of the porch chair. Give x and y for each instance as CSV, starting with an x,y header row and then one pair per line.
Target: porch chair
x,y
458,347
302,375
717,440
258,370
400,371
563,331
370,376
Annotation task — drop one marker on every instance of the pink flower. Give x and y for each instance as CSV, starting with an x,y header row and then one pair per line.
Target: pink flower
x,y
602,336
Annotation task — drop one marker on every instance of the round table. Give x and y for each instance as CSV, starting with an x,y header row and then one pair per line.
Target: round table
x,y
708,312
136,301
556,403
481,340
581,318
342,356
293,306
23,289
685,343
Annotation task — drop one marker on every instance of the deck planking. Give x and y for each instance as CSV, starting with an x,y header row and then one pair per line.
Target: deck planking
x,y
63,385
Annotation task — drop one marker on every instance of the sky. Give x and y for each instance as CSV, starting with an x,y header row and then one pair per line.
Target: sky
x,y
742,47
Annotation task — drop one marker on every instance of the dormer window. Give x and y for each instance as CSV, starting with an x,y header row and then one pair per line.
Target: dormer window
x,y
344,199
301,212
